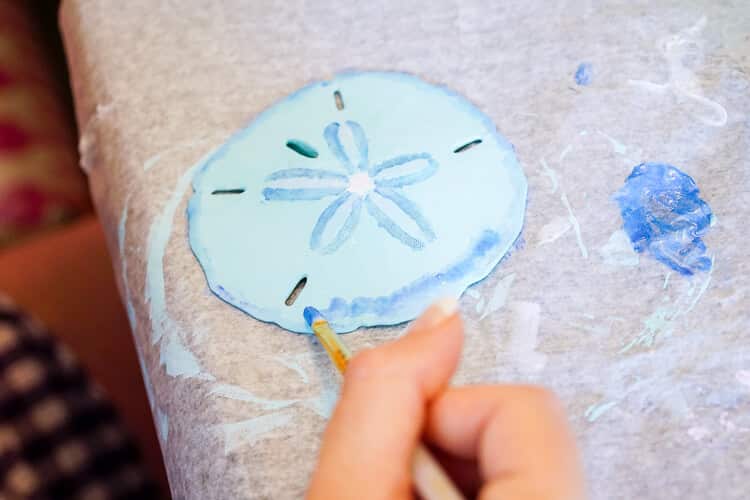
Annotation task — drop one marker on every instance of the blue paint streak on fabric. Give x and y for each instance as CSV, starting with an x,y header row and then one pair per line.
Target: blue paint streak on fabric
x,y
663,213
408,179
299,194
584,74
339,308
409,208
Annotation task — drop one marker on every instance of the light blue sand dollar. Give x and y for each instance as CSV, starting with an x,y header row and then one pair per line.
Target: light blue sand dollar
x,y
371,195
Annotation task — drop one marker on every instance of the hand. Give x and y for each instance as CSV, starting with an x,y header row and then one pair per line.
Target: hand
x,y
496,441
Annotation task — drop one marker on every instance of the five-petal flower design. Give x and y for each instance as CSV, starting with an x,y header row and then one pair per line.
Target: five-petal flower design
x,y
357,183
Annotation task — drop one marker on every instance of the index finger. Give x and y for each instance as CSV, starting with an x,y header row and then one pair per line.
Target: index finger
x,y
369,443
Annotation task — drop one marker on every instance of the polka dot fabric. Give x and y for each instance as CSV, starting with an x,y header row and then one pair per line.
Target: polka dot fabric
x,y
59,437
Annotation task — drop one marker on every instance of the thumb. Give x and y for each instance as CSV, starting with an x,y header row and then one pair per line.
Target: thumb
x,y
369,443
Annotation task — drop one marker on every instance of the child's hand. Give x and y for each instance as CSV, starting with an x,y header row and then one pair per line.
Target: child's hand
x,y
499,442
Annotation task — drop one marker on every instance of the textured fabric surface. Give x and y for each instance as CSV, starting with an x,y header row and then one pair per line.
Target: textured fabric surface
x,y
652,366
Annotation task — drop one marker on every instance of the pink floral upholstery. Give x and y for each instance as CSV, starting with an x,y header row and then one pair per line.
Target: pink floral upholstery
x,y
40,182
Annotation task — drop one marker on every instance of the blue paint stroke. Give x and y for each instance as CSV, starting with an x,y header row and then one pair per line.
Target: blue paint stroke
x,y
306,173
338,308
409,208
286,194
407,179
331,135
361,142
385,190
663,213
346,229
391,227
584,74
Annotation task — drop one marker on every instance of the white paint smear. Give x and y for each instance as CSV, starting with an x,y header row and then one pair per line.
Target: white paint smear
x,y
154,159
293,363
88,143
666,280
177,358
703,288
239,394
662,321
743,377
617,146
249,432
575,224
698,433
726,423
682,81
158,237
565,152
499,295
162,426
121,235
146,379
551,174
524,336
480,305
618,251
595,411
325,402
553,230
179,361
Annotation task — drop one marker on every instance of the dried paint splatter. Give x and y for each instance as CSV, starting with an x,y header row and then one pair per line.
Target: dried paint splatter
x,y
584,74
663,213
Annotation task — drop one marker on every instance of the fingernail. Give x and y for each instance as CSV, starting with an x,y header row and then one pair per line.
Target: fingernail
x,y
439,311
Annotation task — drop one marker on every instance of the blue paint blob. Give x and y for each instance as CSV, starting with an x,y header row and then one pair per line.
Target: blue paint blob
x,y
584,74
311,315
663,213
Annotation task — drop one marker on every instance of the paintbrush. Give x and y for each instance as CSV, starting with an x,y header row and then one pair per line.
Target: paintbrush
x,y
430,480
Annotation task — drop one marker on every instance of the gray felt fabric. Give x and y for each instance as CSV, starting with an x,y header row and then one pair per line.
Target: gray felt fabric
x,y
240,404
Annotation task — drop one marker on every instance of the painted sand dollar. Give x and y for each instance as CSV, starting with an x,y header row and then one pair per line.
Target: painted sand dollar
x,y
367,197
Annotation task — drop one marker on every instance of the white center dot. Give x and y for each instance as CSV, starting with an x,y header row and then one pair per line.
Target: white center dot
x,y
360,184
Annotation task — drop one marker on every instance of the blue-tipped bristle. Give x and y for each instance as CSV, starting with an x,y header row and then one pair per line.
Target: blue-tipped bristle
x,y
312,315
